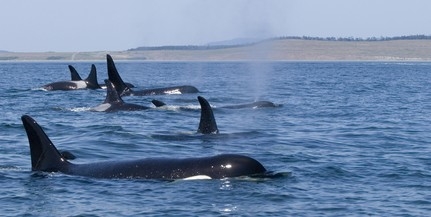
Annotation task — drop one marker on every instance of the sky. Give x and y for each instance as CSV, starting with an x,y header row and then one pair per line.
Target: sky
x,y
108,25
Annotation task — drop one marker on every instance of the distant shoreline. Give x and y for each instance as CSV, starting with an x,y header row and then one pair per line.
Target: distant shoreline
x,y
283,49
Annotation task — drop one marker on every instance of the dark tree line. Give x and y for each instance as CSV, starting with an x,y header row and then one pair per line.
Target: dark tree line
x,y
407,37
188,47
210,47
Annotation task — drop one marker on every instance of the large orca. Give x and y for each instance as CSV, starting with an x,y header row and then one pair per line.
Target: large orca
x,y
254,105
75,77
89,83
113,102
45,157
123,90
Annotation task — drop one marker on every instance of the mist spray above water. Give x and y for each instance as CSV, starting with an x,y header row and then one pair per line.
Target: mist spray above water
x,y
260,69
260,29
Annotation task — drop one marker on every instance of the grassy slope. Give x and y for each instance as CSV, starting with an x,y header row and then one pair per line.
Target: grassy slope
x,y
280,50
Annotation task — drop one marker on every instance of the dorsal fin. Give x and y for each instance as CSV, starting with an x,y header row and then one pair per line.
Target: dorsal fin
x,y
112,95
67,155
74,74
91,80
207,124
44,155
158,103
115,78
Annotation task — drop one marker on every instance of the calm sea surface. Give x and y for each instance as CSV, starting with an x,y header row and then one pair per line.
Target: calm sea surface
x,y
353,138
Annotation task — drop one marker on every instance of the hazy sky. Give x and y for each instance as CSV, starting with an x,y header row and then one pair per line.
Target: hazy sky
x,y
99,25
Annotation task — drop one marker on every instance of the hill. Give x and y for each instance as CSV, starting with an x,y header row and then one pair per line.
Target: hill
x,y
280,49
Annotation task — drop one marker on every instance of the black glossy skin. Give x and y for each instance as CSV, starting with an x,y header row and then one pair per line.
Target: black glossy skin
x,y
61,85
89,83
207,124
162,91
124,90
45,157
75,77
258,104
113,102
216,167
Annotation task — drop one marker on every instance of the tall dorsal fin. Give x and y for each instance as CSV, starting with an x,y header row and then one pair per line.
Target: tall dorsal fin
x,y
158,103
44,155
91,80
74,74
207,124
115,78
112,95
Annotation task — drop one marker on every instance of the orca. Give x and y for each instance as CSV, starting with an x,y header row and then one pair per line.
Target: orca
x,y
46,158
89,83
123,90
75,77
113,102
254,105
207,123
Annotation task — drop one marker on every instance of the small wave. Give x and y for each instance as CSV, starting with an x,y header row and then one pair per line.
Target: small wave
x,y
169,108
192,107
77,109
182,136
179,108
9,168
39,89
80,109
193,135
265,176
173,92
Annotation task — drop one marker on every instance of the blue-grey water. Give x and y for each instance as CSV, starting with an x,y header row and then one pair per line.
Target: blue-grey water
x,y
352,138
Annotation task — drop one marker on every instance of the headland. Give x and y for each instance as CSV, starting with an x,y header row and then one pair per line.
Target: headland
x,y
280,49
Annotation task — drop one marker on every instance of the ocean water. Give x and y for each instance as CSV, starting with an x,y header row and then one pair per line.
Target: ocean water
x,y
351,138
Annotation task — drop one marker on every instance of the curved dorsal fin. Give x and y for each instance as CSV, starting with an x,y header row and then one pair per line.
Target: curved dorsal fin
x,y
115,78
74,74
44,155
207,124
112,95
91,80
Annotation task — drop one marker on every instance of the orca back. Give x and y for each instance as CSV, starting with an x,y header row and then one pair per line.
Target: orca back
x,y
188,89
158,103
45,157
